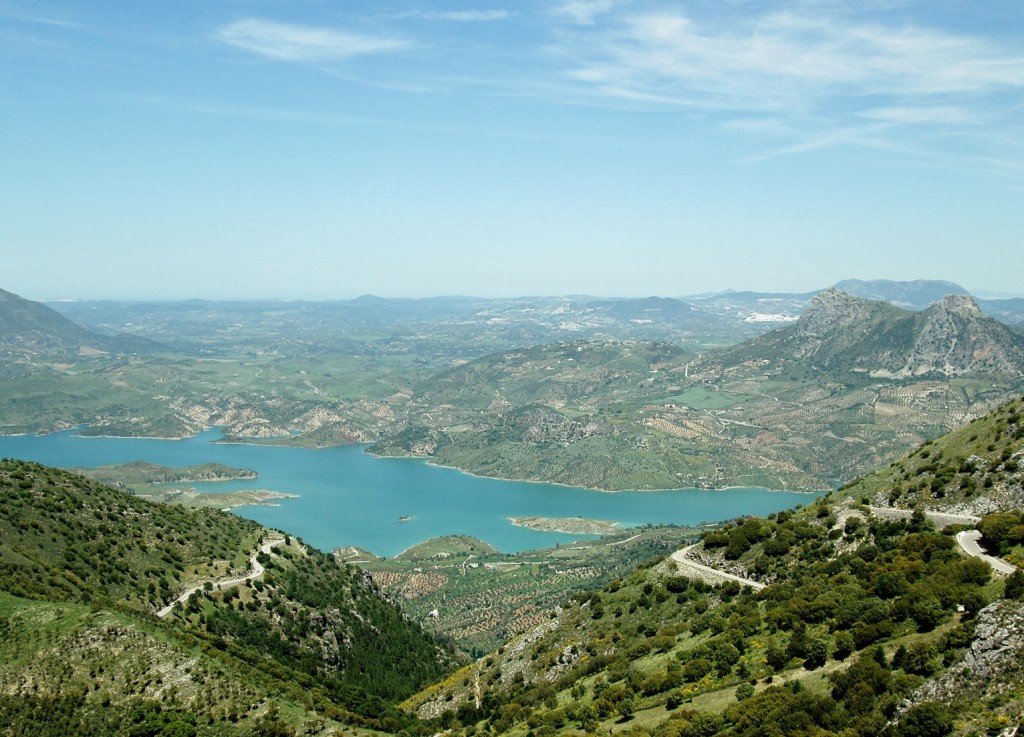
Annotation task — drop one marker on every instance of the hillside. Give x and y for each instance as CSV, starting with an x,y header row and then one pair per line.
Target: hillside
x,y
22,319
31,331
566,412
850,622
974,470
490,387
840,334
92,566
849,386
467,591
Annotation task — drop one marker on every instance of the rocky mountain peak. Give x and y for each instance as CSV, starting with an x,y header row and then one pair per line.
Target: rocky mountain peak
x,y
957,304
955,339
830,310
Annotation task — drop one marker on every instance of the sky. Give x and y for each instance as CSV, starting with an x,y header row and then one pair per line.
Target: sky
x,y
324,149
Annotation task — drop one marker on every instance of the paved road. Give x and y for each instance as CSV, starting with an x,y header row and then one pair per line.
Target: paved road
x,y
968,540
940,519
255,571
682,558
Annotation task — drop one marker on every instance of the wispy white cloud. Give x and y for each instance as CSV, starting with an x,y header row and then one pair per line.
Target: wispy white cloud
x,y
289,42
781,58
914,115
40,20
825,80
584,12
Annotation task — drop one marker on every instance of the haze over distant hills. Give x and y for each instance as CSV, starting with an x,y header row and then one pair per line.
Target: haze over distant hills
x,y
911,295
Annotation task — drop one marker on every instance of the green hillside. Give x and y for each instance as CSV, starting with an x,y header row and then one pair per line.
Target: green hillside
x,y
842,620
851,386
568,391
31,332
973,470
469,592
85,568
852,616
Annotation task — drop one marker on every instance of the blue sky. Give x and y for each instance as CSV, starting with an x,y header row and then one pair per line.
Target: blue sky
x,y
326,149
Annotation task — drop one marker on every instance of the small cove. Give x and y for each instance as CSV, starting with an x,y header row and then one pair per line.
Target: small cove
x,y
385,505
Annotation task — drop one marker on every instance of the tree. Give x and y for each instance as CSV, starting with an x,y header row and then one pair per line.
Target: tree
x,y
1014,586
844,645
816,653
930,719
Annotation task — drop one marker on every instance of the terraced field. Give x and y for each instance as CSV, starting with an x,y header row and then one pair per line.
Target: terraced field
x,y
465,590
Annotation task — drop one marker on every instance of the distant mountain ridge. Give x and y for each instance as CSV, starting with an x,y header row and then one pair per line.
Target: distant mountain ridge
x,y
844,388
839,331
918,294
25,320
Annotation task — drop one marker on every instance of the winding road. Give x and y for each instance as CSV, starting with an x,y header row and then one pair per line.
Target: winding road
x,y
682,559
968,541
255,571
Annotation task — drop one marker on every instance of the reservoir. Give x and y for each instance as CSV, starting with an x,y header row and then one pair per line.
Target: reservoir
x,y
385,505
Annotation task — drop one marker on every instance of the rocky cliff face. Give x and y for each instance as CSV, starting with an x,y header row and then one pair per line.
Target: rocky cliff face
x,y
956,339
951,338
831,312
993,665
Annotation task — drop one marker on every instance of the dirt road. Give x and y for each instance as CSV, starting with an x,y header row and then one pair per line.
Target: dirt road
x,y
255,571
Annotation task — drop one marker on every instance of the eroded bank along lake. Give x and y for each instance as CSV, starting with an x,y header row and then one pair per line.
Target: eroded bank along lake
x,y
385,505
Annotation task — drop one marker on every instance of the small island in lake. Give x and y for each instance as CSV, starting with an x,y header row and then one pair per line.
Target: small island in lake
x,y
219,500
141,473
570,525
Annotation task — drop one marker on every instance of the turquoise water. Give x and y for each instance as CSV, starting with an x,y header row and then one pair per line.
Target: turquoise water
x,y
347,497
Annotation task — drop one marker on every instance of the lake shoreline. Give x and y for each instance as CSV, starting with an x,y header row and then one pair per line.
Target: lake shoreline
x,y
429,460
351,498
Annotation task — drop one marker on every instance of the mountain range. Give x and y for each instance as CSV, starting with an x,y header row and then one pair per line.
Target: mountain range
x,y
846,387
848,384
838,332
31,329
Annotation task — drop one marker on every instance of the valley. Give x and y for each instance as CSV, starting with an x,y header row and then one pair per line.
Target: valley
x,y
128,606
603,394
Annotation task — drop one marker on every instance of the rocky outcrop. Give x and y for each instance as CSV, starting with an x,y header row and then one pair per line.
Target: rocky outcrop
x,y
994,663
832,311
956,339
540,424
